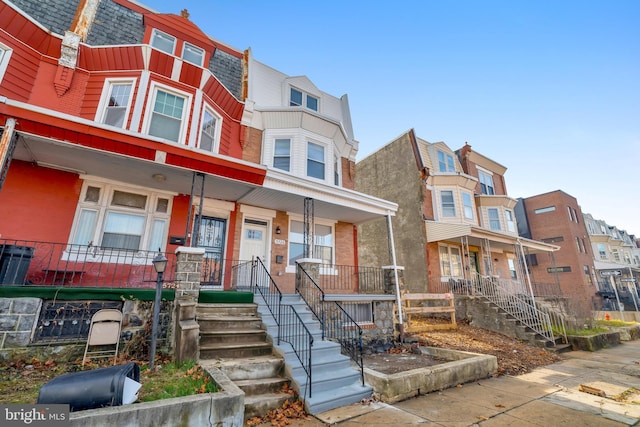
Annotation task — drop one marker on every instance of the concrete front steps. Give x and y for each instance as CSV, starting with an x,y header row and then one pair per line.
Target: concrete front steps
x,y
232,339
525,333
334,381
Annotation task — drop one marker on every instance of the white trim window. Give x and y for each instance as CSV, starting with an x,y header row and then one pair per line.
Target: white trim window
x,y
336,170
467,205
299,98
486,183
602,251
512,268
193,54
450,262
447,203
115,102
163,41
445,162
167,112
210,130
282,154
494,219
323,242
315,160
511,222
5,55
115,217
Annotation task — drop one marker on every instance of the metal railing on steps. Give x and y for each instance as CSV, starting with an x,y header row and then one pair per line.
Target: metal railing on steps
x,y
291,327
337,325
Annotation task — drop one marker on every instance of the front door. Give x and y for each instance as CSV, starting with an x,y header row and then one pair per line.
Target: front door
x,y
254,241
211,237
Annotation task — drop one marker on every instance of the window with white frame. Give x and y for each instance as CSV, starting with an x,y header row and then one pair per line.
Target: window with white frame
x,y
167,115
336,170
616,254
511,223
193,54
209,131
323,242
298,98
494,219
5,54
450,261
360,312
445,162
447,203
163,41
116,102
602,251
467,204
114,217
512,268
544,210
315,160
282,154
486,183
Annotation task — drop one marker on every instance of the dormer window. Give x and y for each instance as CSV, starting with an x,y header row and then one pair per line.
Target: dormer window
x,y
163,41
486,183
193,54
299,98
445,162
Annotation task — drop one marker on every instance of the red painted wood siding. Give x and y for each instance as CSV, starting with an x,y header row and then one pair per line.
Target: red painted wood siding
x,y
29,191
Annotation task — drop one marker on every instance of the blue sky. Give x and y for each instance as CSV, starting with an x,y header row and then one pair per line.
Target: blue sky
x,y
549,89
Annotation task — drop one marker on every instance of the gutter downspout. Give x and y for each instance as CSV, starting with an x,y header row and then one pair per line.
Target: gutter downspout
x,y
395,273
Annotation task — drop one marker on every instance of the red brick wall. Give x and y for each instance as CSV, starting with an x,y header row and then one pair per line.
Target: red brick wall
x,y
252,151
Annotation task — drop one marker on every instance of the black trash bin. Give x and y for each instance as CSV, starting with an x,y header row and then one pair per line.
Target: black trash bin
x,y
14,264
92,389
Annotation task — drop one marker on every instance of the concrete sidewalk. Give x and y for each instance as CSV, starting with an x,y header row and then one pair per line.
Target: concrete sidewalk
x,y
548,396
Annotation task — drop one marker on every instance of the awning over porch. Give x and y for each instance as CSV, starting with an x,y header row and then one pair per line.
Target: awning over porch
x,y
439,231
286,192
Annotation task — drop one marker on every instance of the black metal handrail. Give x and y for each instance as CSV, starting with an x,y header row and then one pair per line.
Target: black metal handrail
x,y
27,262
291,327
335,278
337,325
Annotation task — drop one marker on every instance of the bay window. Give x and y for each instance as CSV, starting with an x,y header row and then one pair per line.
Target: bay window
x,y
282,154
209,131
447,203
168,112
494,219
115,103
467,204
315,160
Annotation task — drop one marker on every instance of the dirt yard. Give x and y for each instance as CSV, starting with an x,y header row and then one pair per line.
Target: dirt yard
x,y
514,356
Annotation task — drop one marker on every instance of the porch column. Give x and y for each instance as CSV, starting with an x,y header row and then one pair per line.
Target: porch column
x,y
312,267
188,271
390,277
186,328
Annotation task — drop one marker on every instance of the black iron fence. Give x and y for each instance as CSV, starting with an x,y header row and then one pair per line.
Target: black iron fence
x,y
349,279
25,262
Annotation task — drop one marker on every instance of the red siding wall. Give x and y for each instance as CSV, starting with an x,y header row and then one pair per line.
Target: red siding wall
x,y
30,192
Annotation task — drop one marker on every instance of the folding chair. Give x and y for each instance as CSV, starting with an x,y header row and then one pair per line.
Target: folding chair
x,y
104,331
